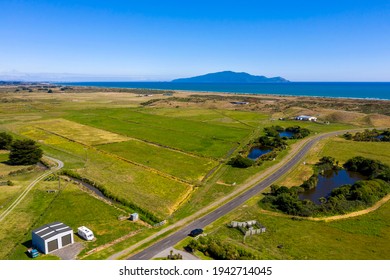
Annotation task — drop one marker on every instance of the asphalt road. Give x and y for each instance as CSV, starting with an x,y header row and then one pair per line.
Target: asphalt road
x,y
171,240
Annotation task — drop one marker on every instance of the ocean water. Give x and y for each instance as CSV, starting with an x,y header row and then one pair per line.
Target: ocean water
x,y
334,89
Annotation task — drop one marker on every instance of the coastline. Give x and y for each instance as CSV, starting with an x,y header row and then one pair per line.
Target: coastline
x,y
336,94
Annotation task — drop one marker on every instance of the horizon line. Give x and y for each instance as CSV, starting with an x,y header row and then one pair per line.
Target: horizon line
x,y
170,81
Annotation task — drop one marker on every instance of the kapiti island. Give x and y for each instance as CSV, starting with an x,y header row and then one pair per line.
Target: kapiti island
x,y
230,77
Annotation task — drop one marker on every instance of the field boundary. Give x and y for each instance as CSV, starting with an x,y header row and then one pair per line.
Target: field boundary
x,y
230,117
168,147
148,168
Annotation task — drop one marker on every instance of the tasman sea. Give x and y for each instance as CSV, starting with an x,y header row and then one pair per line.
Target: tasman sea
x,y
361,90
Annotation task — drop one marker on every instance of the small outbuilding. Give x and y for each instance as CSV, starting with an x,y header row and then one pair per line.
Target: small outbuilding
x,y
134,217
51,237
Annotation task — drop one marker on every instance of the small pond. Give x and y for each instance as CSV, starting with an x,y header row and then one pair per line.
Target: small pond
x,y
286,134
328,181
257,152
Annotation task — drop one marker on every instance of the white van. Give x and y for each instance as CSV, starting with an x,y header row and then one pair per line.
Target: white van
x,y
85,233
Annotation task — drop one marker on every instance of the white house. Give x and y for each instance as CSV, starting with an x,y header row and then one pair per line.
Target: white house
x,y
306,118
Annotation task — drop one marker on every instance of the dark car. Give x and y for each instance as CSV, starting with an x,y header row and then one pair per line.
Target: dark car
x,y
196,232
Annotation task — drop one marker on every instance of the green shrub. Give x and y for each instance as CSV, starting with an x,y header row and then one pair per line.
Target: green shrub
x,y
240,162
220,250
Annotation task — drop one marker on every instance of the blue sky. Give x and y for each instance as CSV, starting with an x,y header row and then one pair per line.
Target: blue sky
x,y
161,40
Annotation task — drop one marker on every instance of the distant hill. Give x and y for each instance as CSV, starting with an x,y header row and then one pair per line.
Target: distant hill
x,y
230,77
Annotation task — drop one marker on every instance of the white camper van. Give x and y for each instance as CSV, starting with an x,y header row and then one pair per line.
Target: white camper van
x,y
85,233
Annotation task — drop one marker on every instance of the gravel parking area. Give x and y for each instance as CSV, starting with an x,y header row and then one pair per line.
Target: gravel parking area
x,y
69,252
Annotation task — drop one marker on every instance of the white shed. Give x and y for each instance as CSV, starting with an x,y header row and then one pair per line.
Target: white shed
x,y
134,217
51,237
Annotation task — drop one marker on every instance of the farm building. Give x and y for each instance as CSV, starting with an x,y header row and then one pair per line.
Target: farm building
x,y
51,237
306,118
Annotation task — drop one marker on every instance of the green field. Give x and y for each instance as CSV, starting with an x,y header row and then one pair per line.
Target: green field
x,y
181,165
364,237
345,149
5,169
196,137
160,195
228,118
69,205
19,181
3,157
9,193
80,133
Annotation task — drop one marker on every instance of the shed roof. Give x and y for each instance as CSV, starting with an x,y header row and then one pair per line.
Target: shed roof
x,y
47,231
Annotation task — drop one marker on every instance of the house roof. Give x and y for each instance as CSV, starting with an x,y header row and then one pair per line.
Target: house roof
x,y
49,230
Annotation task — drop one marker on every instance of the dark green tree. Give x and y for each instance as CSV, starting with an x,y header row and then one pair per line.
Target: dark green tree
x,y
24,152
240,162
5,140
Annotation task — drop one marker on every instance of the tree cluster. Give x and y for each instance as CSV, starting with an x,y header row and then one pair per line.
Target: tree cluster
x,y
287,201
368,167
270,141
341,200
22,152
220,250
273,131
298,132
327,163
266,142
373,135
240,162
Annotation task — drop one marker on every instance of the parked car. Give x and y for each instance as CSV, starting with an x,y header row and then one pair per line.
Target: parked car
x,y
196,232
